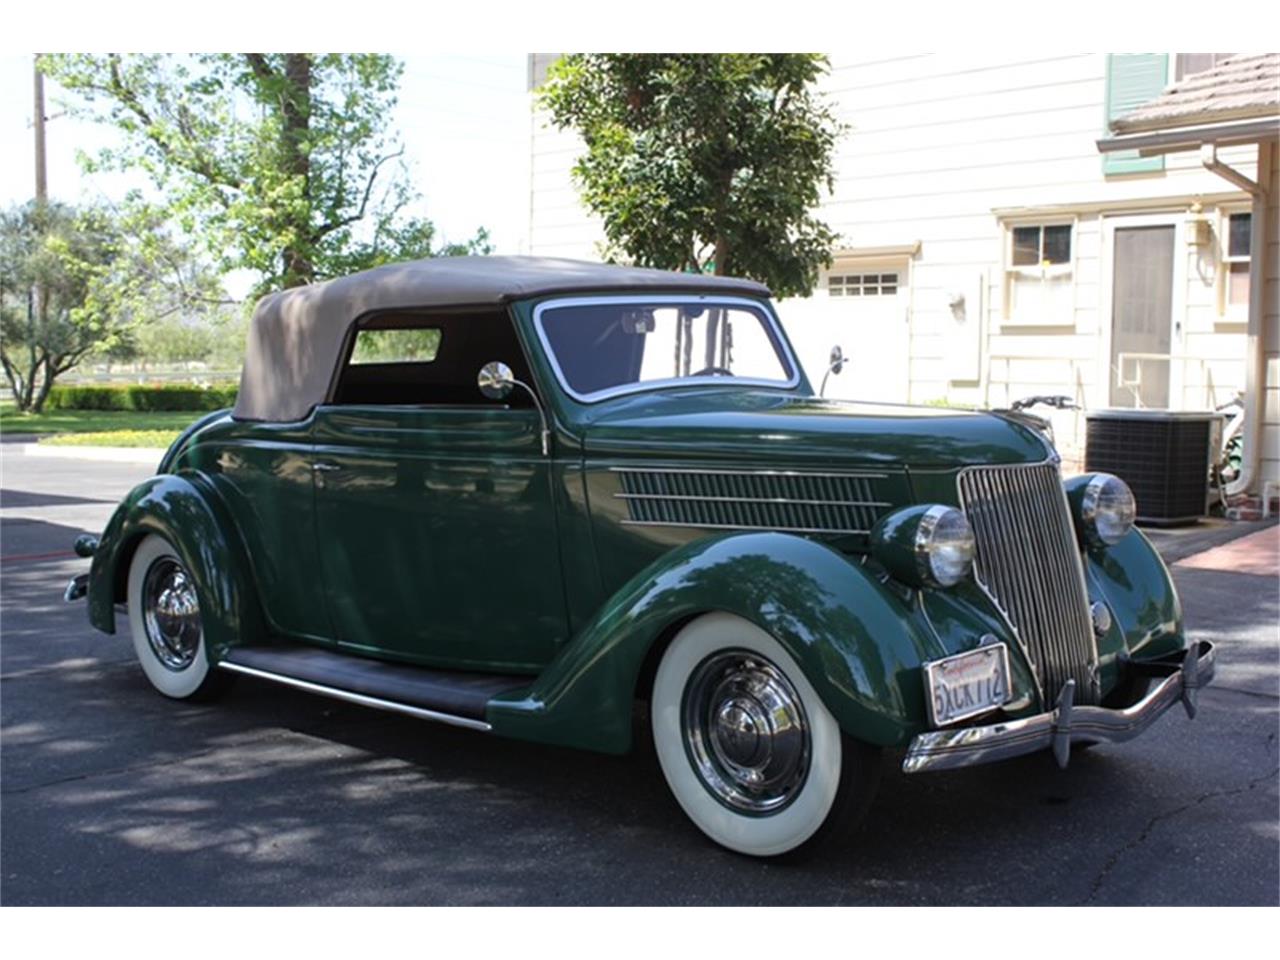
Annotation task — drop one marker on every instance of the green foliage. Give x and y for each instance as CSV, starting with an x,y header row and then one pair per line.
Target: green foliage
x,y
79,281
142,397
215,338
157,439
82,421
704,162
389,346
282,163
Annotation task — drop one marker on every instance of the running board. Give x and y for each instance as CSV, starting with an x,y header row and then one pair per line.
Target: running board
x,y
445,696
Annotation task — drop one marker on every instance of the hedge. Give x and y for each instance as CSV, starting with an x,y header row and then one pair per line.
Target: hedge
x,y
141,397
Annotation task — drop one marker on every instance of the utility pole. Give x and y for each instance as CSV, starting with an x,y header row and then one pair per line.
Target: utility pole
x,y
42,201
42,179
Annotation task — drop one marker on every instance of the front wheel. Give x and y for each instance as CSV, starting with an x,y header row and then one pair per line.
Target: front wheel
x,y
752,755
165,621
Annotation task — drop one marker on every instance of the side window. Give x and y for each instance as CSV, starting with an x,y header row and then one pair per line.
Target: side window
x,y
412,345
428,360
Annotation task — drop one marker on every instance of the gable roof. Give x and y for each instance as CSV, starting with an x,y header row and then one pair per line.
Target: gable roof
x,y
1240,87
297,335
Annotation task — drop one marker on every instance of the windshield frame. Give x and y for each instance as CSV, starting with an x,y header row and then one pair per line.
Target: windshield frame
x,y
763,308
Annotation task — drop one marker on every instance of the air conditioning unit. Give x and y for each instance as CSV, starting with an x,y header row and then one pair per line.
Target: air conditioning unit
x,y
1164,456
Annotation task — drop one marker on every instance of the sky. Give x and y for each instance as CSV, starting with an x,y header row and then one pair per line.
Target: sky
x,y
464,121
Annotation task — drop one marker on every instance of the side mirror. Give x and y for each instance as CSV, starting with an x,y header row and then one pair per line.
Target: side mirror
x,y
835,364
836,360
496,381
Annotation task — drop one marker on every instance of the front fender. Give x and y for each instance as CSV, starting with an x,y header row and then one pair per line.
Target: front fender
x,y
185,510
1146,615
859,644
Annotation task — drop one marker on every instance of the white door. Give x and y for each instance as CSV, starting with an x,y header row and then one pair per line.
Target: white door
x,y
864,310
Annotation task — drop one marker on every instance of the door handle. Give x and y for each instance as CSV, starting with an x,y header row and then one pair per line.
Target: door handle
x,y
322,467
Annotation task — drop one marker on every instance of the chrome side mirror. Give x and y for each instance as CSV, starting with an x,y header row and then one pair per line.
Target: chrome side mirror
x,y
835,364
496,381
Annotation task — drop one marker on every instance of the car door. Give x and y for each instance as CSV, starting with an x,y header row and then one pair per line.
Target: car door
x,y
434,509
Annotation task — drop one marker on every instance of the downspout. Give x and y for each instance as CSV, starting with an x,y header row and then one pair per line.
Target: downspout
x,y
1255,353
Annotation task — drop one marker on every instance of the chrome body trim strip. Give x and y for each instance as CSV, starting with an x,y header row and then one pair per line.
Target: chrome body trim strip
x,y
1058,728
732,526
749,472
793,500
763,307
363,700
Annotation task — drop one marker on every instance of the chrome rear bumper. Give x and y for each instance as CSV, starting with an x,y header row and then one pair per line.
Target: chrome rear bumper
x,y
1060,727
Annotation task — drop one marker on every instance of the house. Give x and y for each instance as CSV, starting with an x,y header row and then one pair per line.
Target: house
x,y
989,250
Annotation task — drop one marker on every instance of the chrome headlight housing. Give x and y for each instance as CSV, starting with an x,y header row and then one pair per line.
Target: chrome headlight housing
x,y
1107,509
925,546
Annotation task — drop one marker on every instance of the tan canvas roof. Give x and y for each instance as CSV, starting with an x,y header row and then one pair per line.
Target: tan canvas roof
x,y
297,335
1243,86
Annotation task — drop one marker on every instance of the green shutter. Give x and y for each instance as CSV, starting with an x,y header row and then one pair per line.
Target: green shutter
x,y
1132,80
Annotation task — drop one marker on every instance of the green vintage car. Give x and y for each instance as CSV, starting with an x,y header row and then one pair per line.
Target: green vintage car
x,y
520,495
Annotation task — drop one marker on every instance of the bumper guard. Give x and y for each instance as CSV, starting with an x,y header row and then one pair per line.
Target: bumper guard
x,y
1183,676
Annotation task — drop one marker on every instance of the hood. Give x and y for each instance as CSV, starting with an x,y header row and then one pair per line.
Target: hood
x,y
726,424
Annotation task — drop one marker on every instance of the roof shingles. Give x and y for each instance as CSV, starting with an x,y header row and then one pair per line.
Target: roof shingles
x,y
1243,86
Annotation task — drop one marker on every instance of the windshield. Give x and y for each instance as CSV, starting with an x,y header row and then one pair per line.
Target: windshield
x,y
601,347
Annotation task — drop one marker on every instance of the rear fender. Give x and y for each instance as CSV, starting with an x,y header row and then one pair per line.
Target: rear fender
x,y
186,511
859,644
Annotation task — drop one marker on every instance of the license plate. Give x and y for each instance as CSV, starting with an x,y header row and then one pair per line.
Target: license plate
x,y
967,684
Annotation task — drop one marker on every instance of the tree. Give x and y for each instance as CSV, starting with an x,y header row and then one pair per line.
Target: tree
x,y
704,161
281,162
101,275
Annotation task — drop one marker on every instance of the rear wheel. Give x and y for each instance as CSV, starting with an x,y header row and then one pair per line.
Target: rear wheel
x,y
752,755
166,624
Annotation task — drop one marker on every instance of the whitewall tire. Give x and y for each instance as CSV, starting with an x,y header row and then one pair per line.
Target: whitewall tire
x,y
164,619
752,755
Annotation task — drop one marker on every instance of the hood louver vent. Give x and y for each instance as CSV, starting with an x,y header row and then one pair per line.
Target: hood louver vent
x,y
788,501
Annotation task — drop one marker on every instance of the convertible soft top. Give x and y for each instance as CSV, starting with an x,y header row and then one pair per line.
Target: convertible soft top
x,y
297,335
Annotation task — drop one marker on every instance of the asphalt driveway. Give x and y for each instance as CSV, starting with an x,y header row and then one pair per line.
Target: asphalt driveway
x,y
110,794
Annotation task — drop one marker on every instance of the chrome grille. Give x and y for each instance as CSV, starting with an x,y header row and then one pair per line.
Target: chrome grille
x,y
791,501
1028,562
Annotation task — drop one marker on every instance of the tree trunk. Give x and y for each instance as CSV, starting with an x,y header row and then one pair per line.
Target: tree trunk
x,y
46,384
296,116
721,257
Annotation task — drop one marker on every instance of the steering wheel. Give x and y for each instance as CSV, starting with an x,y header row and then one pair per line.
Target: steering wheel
x,y
721,370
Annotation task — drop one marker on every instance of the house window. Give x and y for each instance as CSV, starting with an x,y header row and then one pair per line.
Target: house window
x,y
1039,289
1235,261
863,285
1187,64
1042,246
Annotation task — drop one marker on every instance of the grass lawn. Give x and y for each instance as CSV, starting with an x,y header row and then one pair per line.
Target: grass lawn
x,y
106,428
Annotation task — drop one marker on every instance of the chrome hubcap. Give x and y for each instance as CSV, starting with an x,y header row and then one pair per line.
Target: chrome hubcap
x,y
171,614
746,733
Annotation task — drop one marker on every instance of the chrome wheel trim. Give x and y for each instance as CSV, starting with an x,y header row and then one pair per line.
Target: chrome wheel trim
x,y
171,614
746,732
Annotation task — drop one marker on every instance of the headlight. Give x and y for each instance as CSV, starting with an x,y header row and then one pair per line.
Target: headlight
x,y
925,546
1107,509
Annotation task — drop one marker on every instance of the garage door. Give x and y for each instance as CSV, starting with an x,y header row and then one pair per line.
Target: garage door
x,y
863,309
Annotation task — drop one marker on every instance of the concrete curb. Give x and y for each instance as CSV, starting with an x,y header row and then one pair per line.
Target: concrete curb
x,y
149,455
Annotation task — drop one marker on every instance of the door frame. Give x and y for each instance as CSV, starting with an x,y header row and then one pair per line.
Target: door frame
x,y
1177,303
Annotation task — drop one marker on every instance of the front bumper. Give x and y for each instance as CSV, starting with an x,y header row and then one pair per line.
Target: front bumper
x,y
1181,677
